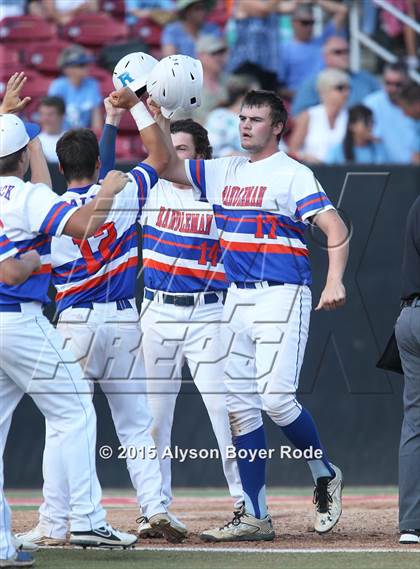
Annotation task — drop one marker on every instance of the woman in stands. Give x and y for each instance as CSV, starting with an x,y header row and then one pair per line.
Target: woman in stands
x,y
323,126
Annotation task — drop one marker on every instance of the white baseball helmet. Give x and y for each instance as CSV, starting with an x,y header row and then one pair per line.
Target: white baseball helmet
x,y
176,82
133,70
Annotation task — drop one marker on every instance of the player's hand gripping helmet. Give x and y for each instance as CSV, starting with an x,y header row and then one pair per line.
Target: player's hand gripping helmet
x,y
176,82
133,71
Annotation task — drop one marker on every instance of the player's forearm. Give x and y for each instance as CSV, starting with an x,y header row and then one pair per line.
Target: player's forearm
x,y
156,146
16,271
88,219
338,249
40,173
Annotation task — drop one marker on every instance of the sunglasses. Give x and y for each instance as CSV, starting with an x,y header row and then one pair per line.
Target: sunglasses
x,y
306,23
396,84
341,87
343,51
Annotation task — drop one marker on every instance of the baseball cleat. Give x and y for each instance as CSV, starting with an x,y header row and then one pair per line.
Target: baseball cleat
x,y
145,530
327,501
243,527
173,532
410,536
23,545
36,536
105,536
21,559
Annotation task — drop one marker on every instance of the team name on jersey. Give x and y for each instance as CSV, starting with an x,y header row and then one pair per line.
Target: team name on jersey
x,y
184,222
81,201
247,196
5,192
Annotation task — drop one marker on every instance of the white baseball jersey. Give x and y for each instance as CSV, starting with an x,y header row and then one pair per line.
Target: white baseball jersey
x,y
30,214
102,268
261,210
181,251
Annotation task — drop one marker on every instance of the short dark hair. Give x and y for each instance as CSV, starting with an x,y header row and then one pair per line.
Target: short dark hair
x,y
56,102
410,93
77,152
262,98
199,134
9,163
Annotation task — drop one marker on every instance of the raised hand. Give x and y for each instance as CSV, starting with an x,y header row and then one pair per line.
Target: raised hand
x,y
12,103
123,98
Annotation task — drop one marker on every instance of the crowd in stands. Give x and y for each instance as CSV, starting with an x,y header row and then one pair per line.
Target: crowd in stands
x,y
68,48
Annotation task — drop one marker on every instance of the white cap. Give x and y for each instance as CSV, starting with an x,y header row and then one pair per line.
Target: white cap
x,y
15,134
133,70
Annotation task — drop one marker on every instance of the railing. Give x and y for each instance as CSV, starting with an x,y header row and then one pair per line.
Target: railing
x,y
359,38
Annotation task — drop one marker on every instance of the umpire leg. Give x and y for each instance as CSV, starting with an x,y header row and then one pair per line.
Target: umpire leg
x,y
407,332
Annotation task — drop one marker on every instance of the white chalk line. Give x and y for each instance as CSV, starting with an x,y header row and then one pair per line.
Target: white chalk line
x,y
414,549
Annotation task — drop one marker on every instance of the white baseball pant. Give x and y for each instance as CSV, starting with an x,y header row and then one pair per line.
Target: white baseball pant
x,y
266,331
173,335
34,362
106,342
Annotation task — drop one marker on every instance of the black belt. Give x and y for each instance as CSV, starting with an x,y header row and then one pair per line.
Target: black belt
x,y
10,307
182,299
413,302
257,284
122,304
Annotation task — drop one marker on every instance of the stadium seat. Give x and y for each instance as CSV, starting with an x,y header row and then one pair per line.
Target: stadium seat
x,y
104,77
123,148
24,29
95,31
127,125
9,56
147,31
43,57
115,8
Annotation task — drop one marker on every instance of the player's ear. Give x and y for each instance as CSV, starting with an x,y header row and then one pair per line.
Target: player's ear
x,y
278,128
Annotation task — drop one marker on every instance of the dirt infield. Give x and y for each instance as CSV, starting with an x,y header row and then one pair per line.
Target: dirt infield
x,y
368,521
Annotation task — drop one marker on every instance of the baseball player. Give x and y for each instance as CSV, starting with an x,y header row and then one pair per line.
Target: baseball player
x,y
184,283
262,205
32,360
95,281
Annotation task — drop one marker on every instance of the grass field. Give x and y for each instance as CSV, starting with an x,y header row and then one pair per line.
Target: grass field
x,y
89,559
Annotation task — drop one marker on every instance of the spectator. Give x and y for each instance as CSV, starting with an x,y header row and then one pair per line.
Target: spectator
x,y
301,57
223,123
181,36
321,127
63,11
409,101
211,51
399,33
397,131
336,56
51,112
359,145
160,11
255,26
80,92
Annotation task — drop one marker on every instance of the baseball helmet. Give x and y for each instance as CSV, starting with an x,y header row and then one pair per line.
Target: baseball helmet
x,y
176,82
133,70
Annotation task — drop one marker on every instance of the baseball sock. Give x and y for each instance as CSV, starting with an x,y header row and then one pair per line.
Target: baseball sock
x,y
252,471
304,434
